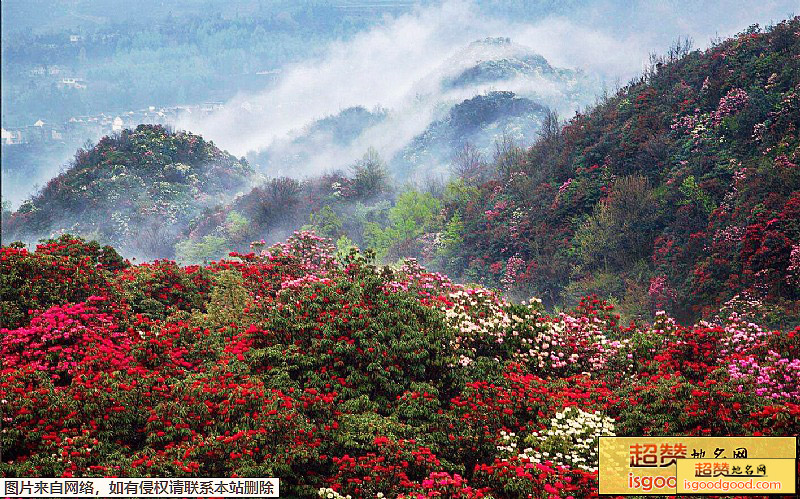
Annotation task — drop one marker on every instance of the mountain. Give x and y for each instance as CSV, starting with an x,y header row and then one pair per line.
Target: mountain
x,y
495,59
681,191
491,89
136,189
498,63
339,130
479,121
661,229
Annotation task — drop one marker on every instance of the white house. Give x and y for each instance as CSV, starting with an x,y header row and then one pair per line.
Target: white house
x,y
9,137
76,83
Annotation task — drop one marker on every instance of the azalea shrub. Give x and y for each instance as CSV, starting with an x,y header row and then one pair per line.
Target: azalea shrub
x,y
344,378
63,270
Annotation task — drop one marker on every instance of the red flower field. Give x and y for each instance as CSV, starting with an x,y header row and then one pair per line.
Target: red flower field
x,y
343,378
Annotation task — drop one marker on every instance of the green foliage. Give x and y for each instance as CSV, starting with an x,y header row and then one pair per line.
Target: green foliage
x,y
370,176
684,185
457,192
392,326
452,237
227,301
694,194
606,285
343,247
208,248
136,189
326,223
237,226
67,269
411,215
334,373
158,289
620,228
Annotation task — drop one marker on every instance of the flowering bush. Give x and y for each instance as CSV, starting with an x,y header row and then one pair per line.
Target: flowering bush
x,y
60,270
571,439
347,379
677,193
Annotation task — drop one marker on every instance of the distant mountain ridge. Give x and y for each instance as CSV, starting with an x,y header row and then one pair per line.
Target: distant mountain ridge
x,y
497,59
493,76
478,121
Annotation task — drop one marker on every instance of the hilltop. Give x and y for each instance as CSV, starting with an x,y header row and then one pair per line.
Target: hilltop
x,y
136,189
681,192
490,89
480,121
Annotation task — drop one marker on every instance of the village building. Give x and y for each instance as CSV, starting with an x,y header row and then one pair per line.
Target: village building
x,y
9,137
76,83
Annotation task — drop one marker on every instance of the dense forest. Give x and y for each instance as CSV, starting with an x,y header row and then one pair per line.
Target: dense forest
x,y
680,191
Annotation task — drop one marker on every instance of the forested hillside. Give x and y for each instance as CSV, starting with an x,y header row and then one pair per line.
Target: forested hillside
x,y
679,192
137,189
635,272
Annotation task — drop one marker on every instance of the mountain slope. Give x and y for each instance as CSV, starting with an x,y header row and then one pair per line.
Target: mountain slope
x,y
496,59
479,121
681,191
337,131
136,190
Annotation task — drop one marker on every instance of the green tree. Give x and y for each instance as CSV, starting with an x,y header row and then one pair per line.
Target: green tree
x,y
209,248
620,229
412,213
237,226
409,218
326,222
370,175
695,194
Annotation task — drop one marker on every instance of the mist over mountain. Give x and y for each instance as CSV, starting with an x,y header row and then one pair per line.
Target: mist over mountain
x,y
74,67
482,122
490,90
138,189
78,65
